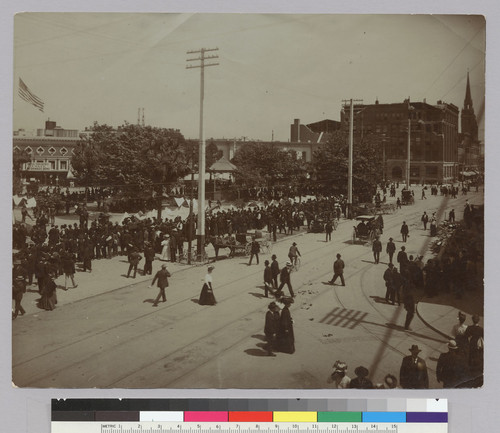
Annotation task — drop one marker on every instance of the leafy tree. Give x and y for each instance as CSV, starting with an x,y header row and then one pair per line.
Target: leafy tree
x,y
212,153
330,165
137,160
261,164
89,152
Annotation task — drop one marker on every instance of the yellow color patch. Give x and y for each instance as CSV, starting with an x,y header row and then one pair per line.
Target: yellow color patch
x,y
295,416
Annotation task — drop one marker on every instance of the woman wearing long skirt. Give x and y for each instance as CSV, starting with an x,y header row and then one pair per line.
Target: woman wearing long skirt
x,y
49,297
286,339
207,294
165,252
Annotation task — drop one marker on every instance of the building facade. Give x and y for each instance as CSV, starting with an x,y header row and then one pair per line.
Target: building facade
x,y
431,129
51,150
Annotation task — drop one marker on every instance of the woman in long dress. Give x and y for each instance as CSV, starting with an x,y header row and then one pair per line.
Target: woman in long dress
x,y
207,294
49,298
165,252
286,339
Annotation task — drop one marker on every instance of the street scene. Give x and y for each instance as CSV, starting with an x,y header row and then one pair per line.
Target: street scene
x,y
155,252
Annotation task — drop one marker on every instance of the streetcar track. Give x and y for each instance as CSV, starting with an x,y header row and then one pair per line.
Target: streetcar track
x,y
388,218
320,277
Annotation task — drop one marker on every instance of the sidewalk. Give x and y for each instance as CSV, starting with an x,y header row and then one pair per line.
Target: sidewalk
x,y
441,312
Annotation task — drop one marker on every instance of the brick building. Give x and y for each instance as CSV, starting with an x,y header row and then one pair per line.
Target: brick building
x,y
433,138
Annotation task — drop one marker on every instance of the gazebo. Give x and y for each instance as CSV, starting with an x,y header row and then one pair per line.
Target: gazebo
x,y
222,166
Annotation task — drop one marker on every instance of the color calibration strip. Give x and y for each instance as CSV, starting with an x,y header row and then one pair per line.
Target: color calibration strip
x,y
256,411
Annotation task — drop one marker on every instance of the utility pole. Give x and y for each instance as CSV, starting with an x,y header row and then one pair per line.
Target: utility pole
x,y
408,156
200,232
351,146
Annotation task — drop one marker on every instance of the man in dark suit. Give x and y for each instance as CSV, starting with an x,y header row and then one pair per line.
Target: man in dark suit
x,y
409,304
275,271
254,251
389,284
390,249
162,277
338,270
149,256
376,248
134,260
413,372
405,231
285,279
271,327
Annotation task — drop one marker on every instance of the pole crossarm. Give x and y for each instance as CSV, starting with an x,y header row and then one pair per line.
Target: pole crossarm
x,y
201,66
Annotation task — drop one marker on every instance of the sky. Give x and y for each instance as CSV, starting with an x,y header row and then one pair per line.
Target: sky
x,y
273,68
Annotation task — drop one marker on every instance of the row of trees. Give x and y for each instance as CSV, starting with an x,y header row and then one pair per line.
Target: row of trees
x,y
266,165
139,161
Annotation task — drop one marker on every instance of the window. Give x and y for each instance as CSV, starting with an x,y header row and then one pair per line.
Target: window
x,y
40,150
52,151
52,165
304,155
63,165
63,151
29,150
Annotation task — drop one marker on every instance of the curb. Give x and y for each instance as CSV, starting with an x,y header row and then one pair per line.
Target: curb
x,y
432,327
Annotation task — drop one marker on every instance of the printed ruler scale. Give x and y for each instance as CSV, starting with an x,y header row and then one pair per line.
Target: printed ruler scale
x,y
250,416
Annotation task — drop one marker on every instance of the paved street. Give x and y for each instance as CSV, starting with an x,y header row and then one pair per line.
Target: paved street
x,y
105,333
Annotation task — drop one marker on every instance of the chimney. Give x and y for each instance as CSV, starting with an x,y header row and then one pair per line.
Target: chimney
x,y
295,131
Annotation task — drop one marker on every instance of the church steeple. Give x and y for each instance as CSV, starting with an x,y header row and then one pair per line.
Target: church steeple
x,y
468,97
467,117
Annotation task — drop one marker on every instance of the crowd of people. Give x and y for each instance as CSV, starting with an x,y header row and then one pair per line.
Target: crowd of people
x,y
45,251
461,366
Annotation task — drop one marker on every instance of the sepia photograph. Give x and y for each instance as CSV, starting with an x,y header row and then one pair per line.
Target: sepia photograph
x,y
248,201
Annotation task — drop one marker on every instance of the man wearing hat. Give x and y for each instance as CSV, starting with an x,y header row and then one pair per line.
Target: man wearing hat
x,y
293,252
271,327
149,256
451,367
162,277
134,260
285,279
338,270
413,372
376,248
405,231
275,271
390,249
389,284
361,381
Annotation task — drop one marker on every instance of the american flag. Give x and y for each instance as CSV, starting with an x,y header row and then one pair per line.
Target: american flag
x,y
26,94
